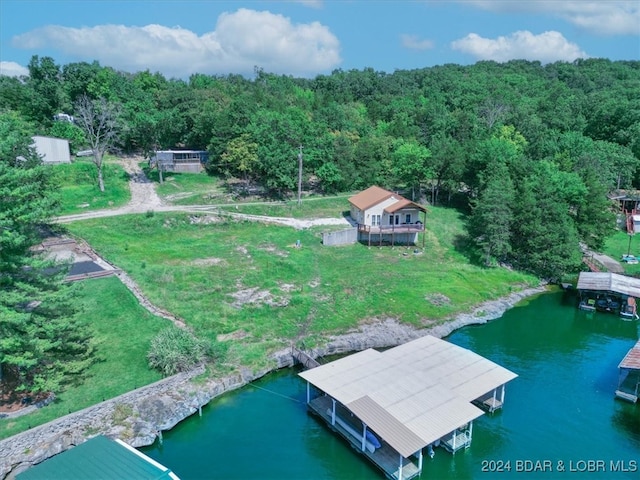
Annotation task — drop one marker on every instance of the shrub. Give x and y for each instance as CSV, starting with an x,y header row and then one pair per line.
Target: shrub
x,y
176,350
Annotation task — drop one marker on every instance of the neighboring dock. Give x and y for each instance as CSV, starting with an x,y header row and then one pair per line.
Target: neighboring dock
x,y
629,378
609,292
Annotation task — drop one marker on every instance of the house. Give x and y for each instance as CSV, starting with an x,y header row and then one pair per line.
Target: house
x,y
179,161
99,458
386,217
52,150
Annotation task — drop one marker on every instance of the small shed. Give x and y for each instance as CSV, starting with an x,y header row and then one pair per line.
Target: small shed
x,y
180,161
393,404
52,150
99,458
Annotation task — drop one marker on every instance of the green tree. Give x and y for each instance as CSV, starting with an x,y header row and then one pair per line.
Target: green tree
x,y
240,158
410,164
544,240
492,214
595,217
42,344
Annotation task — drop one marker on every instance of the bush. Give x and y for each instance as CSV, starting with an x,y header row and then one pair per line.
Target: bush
x,y
176,350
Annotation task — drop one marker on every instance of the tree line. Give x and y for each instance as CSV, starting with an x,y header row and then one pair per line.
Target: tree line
x,y
530,151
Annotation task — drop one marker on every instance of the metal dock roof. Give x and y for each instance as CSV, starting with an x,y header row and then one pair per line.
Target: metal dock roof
x,y
609,282
98,458
413,394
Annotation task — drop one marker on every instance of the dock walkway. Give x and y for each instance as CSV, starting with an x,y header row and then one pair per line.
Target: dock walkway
x,y
385,457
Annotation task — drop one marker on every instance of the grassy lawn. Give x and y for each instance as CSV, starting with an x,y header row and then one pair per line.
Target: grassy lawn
x,y
79,190
620,244
248,281
188,188
123,331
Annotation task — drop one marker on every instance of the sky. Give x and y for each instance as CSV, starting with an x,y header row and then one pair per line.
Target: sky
x,y
306,38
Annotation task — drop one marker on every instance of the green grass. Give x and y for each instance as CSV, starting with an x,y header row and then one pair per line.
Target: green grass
x,y
79,190
620,244
123,332
188,188
193,270
310,207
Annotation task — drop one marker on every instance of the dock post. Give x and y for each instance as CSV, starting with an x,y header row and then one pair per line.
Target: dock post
x,y
364,436
333,412
160,436
420,460
502,394
200,411
400,468
308,393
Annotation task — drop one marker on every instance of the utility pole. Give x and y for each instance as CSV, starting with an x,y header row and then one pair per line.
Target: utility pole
x,y
300,177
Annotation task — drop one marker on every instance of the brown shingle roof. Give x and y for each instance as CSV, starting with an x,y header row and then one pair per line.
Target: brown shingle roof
x,y
403,203
370,197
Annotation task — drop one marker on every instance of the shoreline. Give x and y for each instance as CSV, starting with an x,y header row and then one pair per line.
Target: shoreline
x,y
140,416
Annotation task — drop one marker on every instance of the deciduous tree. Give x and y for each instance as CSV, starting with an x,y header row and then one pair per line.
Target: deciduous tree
x,y
99,121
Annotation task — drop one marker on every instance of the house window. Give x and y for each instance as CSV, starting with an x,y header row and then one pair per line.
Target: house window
x,y
407,218
375,220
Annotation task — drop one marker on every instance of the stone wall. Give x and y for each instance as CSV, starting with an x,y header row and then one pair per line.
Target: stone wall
x,y
139,416
136,417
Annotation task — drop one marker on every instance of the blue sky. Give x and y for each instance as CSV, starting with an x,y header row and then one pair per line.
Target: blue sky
x,y
306,38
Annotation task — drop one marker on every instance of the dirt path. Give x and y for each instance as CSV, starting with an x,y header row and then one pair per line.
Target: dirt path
x,y
144,199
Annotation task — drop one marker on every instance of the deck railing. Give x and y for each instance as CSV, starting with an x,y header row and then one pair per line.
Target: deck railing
x,y
400,228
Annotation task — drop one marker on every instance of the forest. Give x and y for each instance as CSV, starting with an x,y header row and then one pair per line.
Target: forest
x,y
530,151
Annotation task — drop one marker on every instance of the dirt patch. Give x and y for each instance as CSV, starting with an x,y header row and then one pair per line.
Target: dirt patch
x,y
13,401
205,219
205,262
255,296
270,248
438,299
237,335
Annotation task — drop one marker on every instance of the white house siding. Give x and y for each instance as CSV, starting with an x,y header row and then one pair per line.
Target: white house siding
x,y
379,210
52,150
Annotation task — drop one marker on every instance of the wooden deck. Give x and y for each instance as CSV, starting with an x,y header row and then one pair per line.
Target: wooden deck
x,y
390,229
385,457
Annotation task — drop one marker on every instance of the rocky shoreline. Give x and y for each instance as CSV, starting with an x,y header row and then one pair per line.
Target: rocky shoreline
x,y
140,416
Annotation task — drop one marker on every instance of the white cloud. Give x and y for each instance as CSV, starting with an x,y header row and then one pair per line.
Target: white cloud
x,y
241,40
13,69
310,3
546,47
414,42
606,17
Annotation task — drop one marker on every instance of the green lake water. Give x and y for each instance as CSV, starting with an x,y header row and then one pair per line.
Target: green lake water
x,y
560,418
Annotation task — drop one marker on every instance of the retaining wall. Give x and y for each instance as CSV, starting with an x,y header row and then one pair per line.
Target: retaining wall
x,y
341,237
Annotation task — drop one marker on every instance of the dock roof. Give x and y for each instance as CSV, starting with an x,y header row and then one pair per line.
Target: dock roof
x,y
413,394
631,360
99,458
609,282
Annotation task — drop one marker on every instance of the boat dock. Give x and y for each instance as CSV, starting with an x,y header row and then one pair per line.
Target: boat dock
x,y
629,377
609,292
392,405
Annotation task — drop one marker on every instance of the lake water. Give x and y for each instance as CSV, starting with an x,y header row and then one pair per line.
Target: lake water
x,y
560,414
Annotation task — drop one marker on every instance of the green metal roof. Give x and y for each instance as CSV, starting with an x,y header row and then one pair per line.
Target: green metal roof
x,y
98,459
